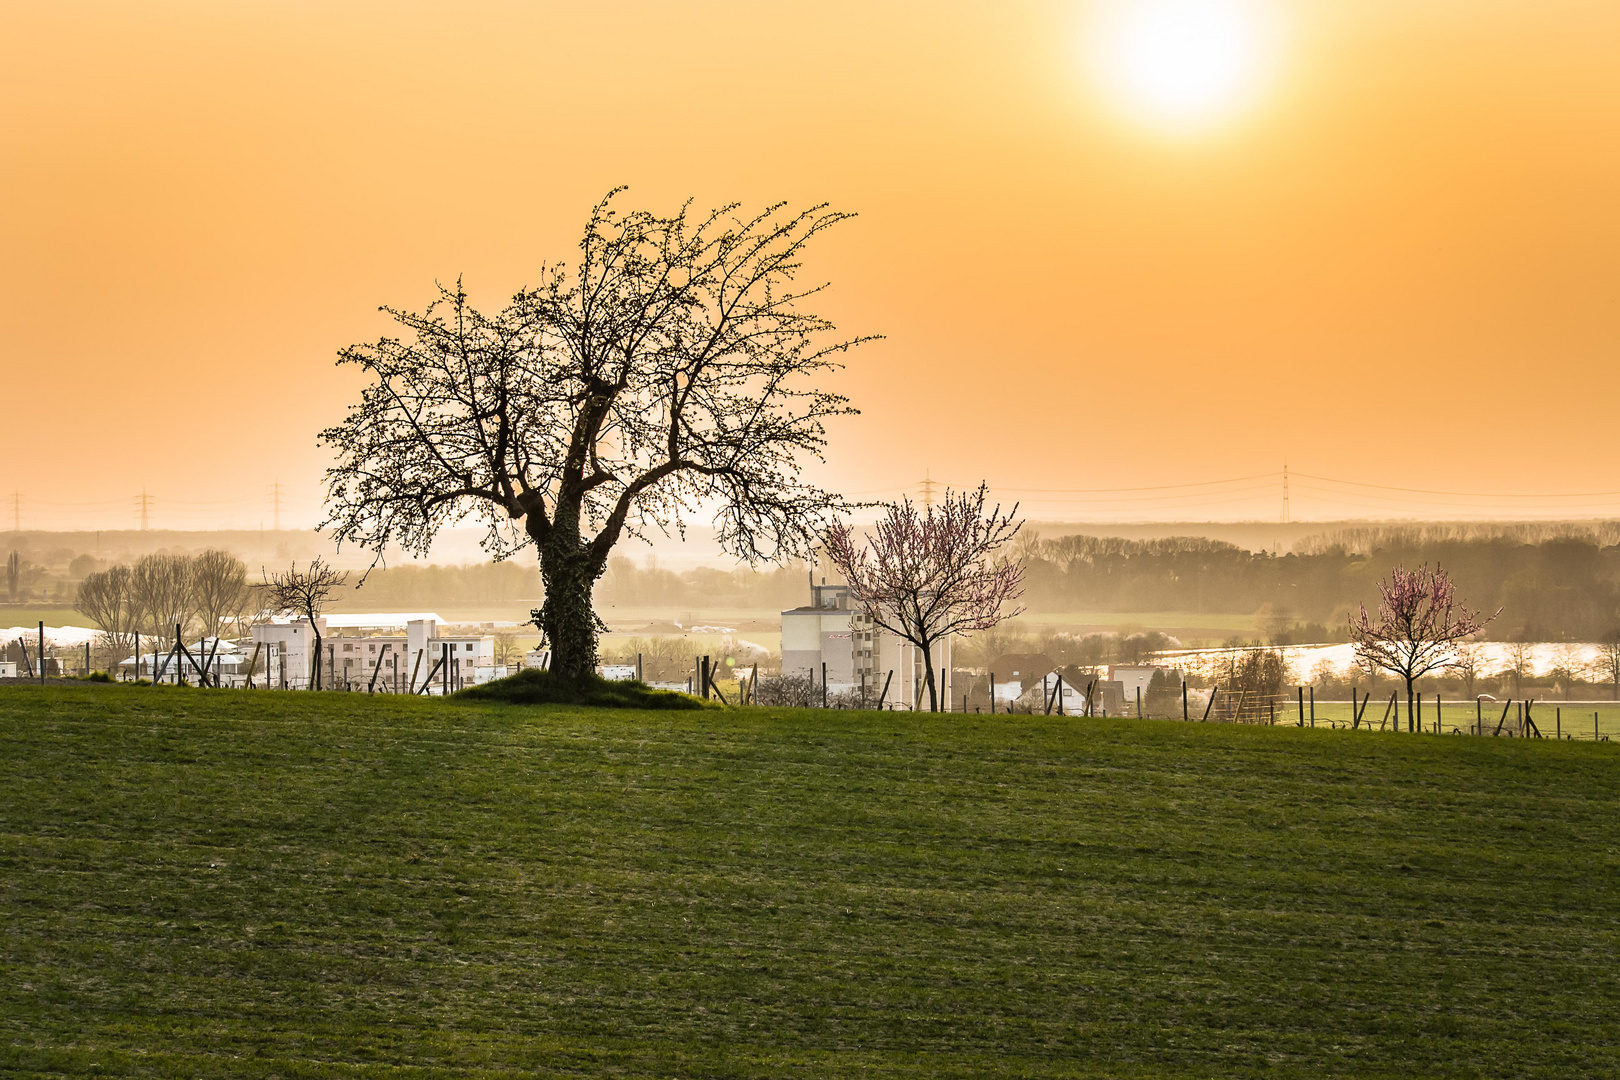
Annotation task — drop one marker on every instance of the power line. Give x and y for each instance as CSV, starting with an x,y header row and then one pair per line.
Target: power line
x,y
1467,494
1150,487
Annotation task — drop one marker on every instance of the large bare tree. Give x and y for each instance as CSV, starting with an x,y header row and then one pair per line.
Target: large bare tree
x,y
219,589
304,592
107,598
1419,628
165,592
671,369
924,575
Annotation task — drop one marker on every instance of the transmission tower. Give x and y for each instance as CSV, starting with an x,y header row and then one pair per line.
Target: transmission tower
x,y
143,503
1285,493
275,502
927,486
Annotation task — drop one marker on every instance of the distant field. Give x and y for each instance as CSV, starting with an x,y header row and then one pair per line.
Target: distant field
x,y
226,883
1573,721
1220,625
32,616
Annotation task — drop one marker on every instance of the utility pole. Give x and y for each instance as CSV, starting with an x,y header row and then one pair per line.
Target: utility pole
x,y
143,502
275,502
927,492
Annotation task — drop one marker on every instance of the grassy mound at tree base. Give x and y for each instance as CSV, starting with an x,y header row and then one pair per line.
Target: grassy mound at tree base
x,y
534,687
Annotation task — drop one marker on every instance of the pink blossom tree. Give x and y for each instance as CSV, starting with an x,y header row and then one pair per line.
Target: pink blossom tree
x,y
923,575
1419,629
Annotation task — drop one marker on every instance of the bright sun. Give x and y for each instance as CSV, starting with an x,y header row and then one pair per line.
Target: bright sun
x,y
1183,65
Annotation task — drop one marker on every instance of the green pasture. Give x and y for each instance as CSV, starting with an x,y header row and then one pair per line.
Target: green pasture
x,y
200,883
30,616
1569,720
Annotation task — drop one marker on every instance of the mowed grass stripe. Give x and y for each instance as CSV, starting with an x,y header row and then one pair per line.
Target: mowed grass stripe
x,y
257,884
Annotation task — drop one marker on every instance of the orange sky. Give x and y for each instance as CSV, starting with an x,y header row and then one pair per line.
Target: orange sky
x,y
1400,268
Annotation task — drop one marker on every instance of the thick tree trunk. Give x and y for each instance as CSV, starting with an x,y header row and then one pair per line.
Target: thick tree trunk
x,y
315,666
567,618
1411,716
928,666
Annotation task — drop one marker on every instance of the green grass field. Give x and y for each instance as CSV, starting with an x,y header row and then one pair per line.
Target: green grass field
x,y
217,883
29,616
1553,717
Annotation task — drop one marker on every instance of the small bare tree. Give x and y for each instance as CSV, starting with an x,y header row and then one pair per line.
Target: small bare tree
x,y
107,598
1469,657
219,589
1608,661
306,593
925,575
508,650
1419,626
1520,665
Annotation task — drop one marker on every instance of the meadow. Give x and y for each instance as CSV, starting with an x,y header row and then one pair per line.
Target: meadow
x,y
257,884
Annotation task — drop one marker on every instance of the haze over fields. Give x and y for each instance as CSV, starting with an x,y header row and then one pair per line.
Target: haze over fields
x,y
1377,240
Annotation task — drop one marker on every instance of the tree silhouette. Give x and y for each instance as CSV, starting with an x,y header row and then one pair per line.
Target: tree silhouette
x,y
670,369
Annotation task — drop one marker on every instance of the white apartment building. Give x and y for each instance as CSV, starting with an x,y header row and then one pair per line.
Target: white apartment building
x,y
368,651
829,639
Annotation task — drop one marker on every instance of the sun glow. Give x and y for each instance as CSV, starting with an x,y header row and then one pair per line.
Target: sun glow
x,y
1182,65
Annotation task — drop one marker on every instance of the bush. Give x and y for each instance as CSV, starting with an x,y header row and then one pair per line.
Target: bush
x,y
98,676
534,687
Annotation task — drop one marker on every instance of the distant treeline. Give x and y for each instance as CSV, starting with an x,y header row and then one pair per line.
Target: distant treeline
x,y
770,587
1566,587
625,584
426,587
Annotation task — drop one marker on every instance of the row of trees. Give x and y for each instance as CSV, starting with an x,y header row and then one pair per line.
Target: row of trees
x,y
202,594
1552,587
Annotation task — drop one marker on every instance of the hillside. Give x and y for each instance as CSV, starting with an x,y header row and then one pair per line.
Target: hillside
x,y
207,883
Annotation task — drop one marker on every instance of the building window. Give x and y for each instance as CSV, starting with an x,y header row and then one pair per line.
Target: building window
x,y
372,647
